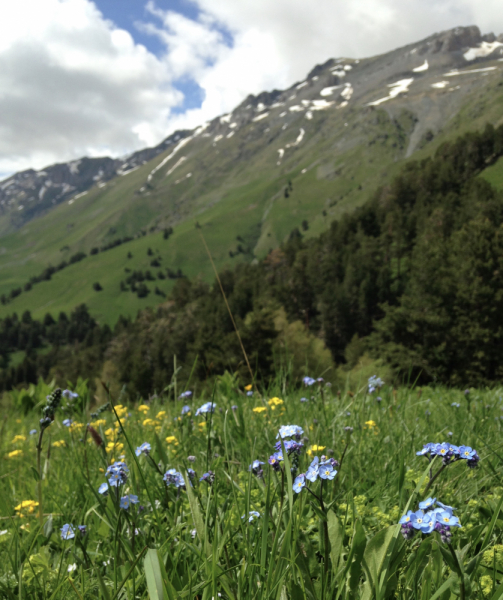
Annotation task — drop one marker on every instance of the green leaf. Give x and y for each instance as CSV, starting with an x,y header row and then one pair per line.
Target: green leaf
x,y
153,575
48,527
336,537
35,473
355,557
373,558
197,517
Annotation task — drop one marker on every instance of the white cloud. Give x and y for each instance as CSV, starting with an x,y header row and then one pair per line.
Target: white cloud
x,y
72,84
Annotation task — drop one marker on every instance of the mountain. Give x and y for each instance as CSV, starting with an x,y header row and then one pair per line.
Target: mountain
x,y
115,234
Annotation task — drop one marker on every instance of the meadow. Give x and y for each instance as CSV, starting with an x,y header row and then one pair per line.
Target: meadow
x,y
197,495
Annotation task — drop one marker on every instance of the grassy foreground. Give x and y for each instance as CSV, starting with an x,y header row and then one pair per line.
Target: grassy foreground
x,y
158,531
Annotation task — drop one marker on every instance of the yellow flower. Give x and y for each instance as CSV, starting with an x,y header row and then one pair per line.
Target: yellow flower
x,y
315,448
161,414
273,402
101,470
121,411
150,423
26,507
259,409
370,424
18,420
115,447
76,427
202,423
18,438
171,439
15,453
59,444
110,432
144,408
98,423
248,387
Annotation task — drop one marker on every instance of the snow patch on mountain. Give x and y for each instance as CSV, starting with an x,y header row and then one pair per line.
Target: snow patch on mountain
x,y
399,87
455,72
295,108
329,90
178,147
300,137
440,85
423,67
260,117
484,49
347,92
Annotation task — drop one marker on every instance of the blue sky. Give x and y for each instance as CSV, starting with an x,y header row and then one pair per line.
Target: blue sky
x,y
107,77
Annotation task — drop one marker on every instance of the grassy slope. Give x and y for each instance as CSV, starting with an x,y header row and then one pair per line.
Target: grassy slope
x,y
235,189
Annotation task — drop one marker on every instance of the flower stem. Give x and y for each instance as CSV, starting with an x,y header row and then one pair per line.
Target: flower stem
x,y
39,482
432,480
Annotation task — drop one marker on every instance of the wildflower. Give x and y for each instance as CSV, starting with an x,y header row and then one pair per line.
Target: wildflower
x,y
76,427
234,407
428,503
374,383
67,422
274,461
255,466
26,507
312,471
98,423
145,448
185,409
275,402
315,448
299,483
209,477
114,447
69,395
249,394
171,439
378,399
308,381
208,407
103,489
326,471
126,501
82,529
253,514
172,476
161,414
33,431
191,458
445,518
259,409
406,518
72,567
370,424
248,387
117,473
348,429
304,400
144,408
466,452
191,473
456,404
67,532
187,394
18,438
424,522
445,507
290,431
53,401
59,444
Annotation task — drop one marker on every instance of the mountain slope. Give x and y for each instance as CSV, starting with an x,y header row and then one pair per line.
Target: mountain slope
x,y
282,160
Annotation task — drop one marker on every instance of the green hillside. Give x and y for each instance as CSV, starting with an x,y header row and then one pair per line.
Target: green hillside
x,y
245,195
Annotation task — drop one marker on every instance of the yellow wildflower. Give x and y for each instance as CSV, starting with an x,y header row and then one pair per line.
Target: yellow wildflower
x,y
248,387
26,507
144,408
273,402
98,423
161,414
18,438
15,453
59,444
18,420
115,447
315,448
171,439
150,423
110,432
202,423
370,424
76,427
121,411
259,409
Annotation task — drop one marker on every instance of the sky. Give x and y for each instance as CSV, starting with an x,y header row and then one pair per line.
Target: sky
x,y
107,77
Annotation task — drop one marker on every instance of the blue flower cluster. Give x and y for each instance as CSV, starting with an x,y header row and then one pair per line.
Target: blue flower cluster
x,y
430,518
183,395
450,453
324,468
117,475
126,501
68,531
293,447
309,381
145,448
209,477
374,383
208,407
253,514
256,468
185,409
172,476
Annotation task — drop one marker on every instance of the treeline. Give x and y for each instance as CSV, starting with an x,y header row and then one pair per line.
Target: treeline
x,y
414,277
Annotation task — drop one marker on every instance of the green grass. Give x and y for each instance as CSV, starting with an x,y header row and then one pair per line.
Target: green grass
x,y
193,542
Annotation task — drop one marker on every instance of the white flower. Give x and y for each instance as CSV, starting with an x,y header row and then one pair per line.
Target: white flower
x,y
4,531
72,568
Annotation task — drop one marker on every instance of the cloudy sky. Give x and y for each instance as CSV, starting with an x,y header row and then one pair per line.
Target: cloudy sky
x,y
105,77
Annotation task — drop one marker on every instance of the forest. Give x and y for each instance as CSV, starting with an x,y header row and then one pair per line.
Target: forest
x,y
413,277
